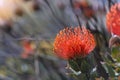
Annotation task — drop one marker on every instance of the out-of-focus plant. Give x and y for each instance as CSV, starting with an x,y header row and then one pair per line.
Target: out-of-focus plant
x,y
27,28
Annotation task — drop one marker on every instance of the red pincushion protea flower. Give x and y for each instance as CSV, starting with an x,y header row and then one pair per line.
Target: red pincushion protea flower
x,y
113,19
73,42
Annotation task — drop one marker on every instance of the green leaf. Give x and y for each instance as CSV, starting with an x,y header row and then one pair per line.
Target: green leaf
x,y
110,70
73,64
85,67
116,53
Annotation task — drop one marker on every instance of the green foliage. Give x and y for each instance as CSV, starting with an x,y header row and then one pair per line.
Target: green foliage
x,y
74,65
116,53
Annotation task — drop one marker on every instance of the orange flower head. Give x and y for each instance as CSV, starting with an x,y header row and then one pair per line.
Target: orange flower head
x,y
73,42
80,4
113,19
28,48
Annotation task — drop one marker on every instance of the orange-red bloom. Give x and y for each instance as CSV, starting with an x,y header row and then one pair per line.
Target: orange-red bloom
x,y
80,4
73,42
28,49
113,19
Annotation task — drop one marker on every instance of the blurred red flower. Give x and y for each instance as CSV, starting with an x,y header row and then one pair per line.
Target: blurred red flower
x,y
113,19
28,49
85,7
80,4
74,42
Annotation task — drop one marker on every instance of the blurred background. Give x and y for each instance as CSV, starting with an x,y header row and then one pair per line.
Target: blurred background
x,y
28,29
